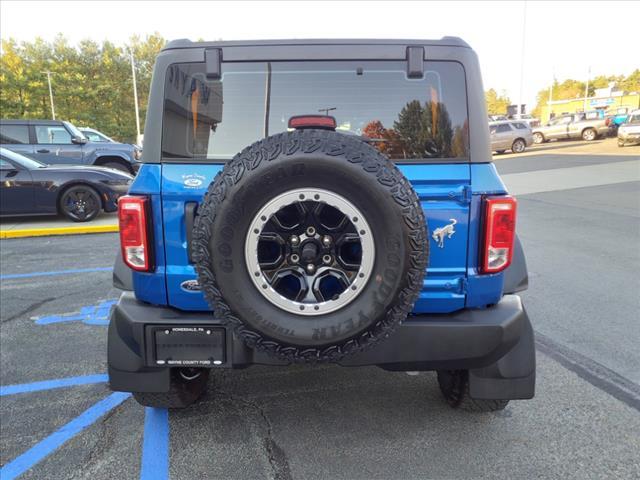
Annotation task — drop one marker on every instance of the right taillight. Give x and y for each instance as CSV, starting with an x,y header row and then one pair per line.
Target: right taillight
x,y
134,240
499,232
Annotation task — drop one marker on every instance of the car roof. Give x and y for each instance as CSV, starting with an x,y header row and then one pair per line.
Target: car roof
x,y
30,122
444,41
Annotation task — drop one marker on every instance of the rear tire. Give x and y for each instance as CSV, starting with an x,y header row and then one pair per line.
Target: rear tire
x,y
538,138
589,135
184,390
518,146
117,166
454,385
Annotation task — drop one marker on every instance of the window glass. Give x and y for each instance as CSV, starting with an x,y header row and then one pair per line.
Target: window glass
x,y
4,165
520,126
94,137
14,134
503,128
52,134
404,118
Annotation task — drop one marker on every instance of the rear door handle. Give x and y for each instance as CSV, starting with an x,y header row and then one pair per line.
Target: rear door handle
x,y
43,150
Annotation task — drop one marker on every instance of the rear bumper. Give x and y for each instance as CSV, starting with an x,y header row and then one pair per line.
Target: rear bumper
x,y
494,344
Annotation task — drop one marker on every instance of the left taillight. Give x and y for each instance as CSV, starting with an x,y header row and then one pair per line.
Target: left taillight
x,y
499,232
134,237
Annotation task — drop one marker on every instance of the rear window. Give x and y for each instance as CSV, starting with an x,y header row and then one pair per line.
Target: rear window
x,y
14,134
406,119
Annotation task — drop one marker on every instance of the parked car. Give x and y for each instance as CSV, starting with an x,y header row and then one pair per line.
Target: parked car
x,y
311,245
629,132
94,135
510,135
530,120
29,187
571,126
55,142
497,118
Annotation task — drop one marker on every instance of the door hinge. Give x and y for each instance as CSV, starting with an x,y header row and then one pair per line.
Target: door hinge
x,y
463,285
467,194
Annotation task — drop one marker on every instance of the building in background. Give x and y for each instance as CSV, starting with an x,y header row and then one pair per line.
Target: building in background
x,y
606,101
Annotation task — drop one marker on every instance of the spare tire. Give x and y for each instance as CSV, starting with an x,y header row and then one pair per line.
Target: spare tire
x,y
312,245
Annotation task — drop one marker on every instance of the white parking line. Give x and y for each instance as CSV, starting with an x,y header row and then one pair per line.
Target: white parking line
x,y
573,177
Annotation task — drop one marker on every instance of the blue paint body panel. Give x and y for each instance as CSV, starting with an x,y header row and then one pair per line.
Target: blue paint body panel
x,y
447,192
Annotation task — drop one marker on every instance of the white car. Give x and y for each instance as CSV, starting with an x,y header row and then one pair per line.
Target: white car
x,y
629,132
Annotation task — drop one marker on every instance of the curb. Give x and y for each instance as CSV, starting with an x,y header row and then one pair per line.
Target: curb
x,y
41,232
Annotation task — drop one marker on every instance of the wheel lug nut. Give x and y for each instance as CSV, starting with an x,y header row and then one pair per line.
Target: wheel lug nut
x,y
295,258
294,240
326,258
311,231
311,268
326,240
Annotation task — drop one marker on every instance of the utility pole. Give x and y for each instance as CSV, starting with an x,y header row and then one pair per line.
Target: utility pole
x,y
524,34
586,90
53,110
553,79
135,95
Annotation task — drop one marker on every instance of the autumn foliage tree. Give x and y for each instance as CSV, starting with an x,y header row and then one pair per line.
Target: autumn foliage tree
x,y
91,82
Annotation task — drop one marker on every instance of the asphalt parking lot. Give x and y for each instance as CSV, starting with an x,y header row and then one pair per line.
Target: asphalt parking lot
x,y
58,419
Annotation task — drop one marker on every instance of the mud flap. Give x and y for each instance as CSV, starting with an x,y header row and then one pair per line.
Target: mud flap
x,y
513,377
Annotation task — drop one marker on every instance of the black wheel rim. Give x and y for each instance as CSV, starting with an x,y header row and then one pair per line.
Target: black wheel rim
x,y
80,204
308,256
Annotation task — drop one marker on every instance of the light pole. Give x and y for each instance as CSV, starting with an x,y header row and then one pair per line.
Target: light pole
x,y
135,95
524,34
53,110
586,90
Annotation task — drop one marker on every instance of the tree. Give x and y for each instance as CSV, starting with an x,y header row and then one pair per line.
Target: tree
x,y
496,104
91,82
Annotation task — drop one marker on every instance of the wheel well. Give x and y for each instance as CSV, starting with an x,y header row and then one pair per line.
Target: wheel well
x,y
588,128
76,184
537,133
519,138
102,160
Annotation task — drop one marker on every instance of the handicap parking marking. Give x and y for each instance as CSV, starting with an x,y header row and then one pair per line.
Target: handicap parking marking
x,y
155,446
90,315
48,445
54,273
52,384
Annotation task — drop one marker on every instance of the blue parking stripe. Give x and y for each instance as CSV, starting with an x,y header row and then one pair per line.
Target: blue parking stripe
x,y
45,447
51,384
59,272
155,448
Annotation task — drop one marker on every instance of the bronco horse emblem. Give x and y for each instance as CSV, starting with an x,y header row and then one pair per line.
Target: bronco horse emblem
x,y
447,231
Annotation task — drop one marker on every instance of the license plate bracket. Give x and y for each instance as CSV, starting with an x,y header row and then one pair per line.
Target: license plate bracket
x,y
188,346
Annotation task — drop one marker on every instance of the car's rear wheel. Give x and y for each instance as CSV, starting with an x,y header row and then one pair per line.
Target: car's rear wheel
x,y
589,135
312,245
117,166
538,138
186,385
454,385
80,203
518,146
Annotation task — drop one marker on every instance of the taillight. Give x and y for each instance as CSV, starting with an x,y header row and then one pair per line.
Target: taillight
x,y
134,240
499,231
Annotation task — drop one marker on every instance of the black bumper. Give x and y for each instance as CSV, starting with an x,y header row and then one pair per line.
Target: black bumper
x,y
494,344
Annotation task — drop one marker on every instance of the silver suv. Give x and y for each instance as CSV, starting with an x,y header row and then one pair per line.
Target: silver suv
x,y
510,135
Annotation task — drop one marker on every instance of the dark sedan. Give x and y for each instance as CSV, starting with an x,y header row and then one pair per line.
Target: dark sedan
x,y
28,187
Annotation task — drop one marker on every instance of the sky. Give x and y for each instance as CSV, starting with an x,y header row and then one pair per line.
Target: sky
x,y
564,39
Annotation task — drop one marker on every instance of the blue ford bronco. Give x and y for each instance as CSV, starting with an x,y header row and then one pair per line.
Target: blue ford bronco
x,y
319,201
